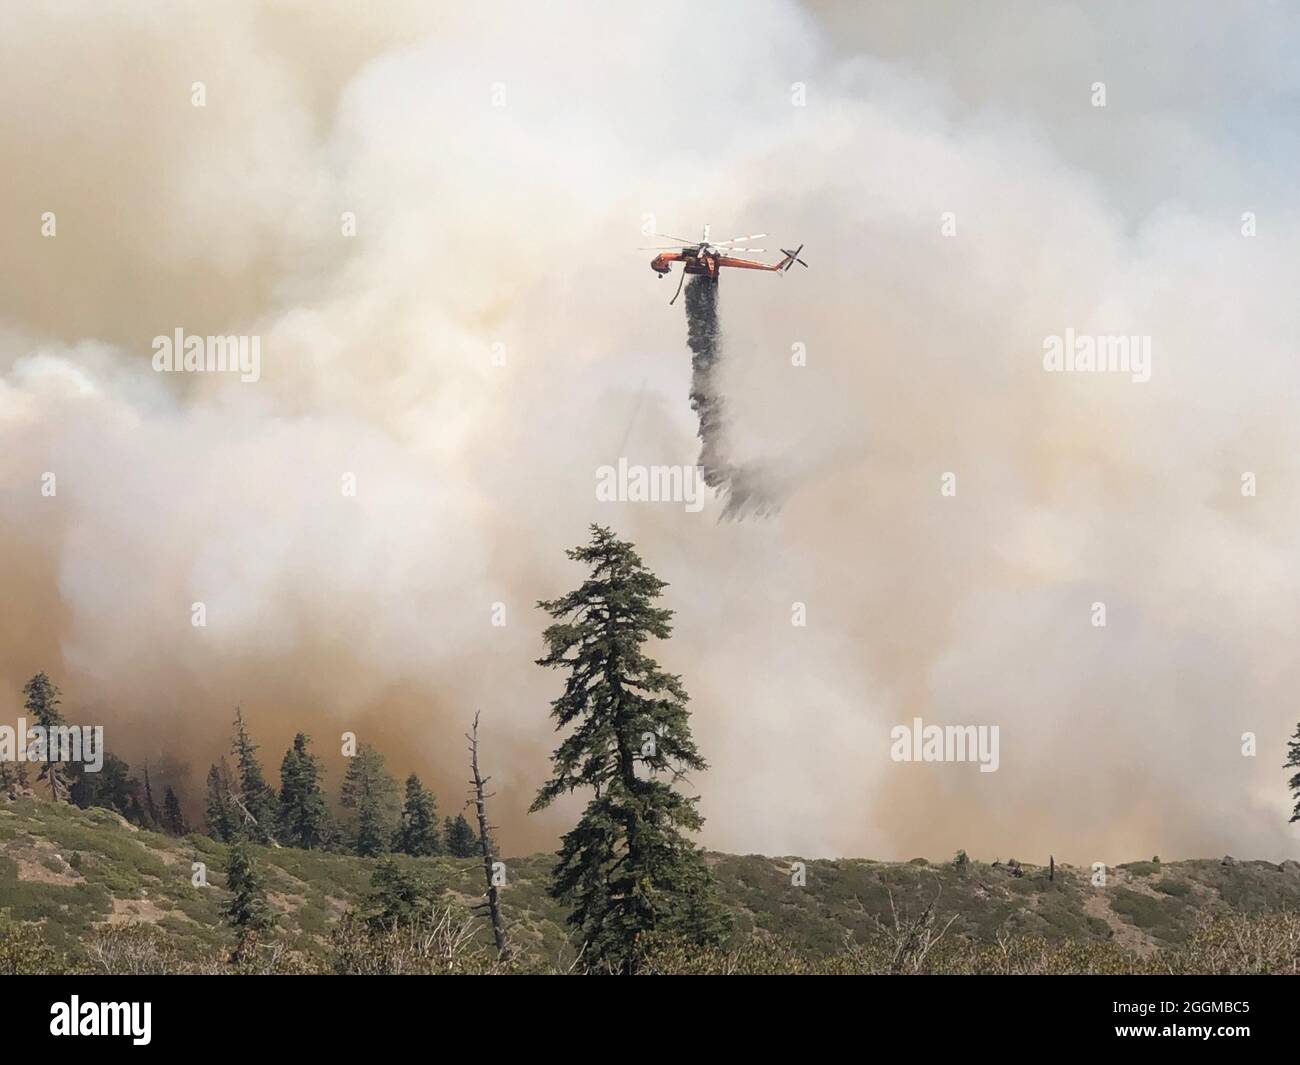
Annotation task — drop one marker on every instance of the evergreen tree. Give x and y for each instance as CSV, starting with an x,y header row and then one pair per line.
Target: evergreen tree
x,y
304,816
627,868
41,699
150,808
371,795
461,841
254,794
135,811
247,912
400,897
112,787
417,833
1293,762
173,817
223,817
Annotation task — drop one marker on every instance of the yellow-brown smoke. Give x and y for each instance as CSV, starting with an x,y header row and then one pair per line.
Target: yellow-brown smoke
x,y
487,339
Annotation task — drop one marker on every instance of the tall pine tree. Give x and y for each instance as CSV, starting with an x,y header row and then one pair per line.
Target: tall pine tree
x,y
370,793
304,814
627,868
255,798
152,816
1293,762
41,699
173,817
247,912
222,816
417,833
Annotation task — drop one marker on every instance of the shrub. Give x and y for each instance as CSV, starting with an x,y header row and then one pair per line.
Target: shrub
x,y
24,952
436,944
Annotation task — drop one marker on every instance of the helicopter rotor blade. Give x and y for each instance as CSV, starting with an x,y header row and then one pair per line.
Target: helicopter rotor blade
x,y
741,240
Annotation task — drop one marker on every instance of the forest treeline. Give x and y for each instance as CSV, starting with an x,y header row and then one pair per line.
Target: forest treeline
x,y
240,802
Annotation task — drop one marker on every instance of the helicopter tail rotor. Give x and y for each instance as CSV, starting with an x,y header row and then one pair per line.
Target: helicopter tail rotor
x,y
792,257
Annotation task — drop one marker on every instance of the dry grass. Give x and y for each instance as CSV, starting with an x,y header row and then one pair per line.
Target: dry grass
x,y
445,944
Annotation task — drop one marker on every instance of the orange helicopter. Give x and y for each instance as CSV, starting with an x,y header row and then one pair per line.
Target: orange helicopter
x,y
708,257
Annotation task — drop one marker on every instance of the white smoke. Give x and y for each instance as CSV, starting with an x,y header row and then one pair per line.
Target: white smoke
x,y
489,234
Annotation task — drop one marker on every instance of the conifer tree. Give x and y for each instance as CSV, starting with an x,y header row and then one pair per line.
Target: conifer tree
x,y
1293,762
627,868
135,812
417,833
223,818
461,841
400,897
371,795
173,817
150,807
41,699
112,787
304,815
255,799
247,911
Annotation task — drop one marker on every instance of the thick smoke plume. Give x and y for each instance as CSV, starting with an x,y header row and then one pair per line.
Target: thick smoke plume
x,y
472,353
740,489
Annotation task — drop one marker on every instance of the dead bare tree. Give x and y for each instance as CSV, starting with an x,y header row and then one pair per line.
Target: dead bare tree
x,y
59,787
485,843
912,939
249,819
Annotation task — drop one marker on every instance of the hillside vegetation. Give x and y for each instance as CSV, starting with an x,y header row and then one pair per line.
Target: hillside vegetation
x,y
77,875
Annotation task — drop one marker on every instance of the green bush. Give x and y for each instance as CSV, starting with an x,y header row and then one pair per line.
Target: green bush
x,y
24,952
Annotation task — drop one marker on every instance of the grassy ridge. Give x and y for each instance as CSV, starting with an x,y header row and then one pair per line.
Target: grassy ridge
x,y
76,870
